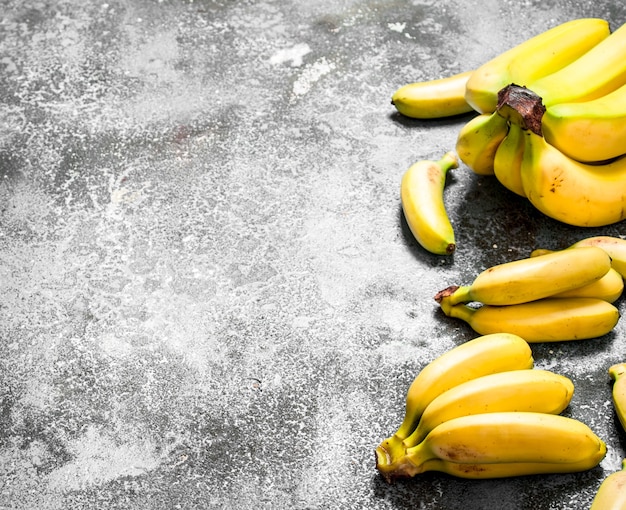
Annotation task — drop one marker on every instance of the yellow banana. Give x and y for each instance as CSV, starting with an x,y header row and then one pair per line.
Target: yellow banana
x,y
544,320
433,99
532,278
538,56
504,469
569,191
611,494
421,194
507,162
614,246
509,437
483,355
528,390
589,131
478,141
594,74
617,372
610,287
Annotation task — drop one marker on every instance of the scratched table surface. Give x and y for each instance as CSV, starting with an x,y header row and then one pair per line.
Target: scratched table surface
x,y
209,298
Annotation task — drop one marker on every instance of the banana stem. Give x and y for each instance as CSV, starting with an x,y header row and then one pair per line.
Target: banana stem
x,y
459,311
521,106
454,295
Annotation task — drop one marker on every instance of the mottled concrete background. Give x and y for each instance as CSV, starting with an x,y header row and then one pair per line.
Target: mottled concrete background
x,y
208,296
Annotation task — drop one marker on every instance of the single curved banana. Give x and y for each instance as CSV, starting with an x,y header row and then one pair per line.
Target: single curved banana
x,y
614,246
594,74
504,469
507,162
610,287
529,390
569,191
611,494
509,437
538,56
421,194
616,372
478,141
483,355
589,131
544,320
532,278
433,99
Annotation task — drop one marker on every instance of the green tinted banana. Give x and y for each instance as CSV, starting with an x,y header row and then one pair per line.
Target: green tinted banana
x,y
433,99
544,320
484,355
617,372
611,494
478,141
589,131
509,437
507,162
596,73
531,278
536,57
528,390
569,191
421,194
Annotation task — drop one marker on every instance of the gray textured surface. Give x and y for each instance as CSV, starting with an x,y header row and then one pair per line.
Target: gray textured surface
x,y
208,296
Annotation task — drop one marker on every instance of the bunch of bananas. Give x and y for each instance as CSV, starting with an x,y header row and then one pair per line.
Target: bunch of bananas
x,y
482,410
551,123
550,296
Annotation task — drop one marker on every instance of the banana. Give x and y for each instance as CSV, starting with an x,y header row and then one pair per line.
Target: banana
x,y
614,246
611,494
503,470
433,99
480,356
610,287
594,74
588,131
532,278
544,320
421,194
509,437
528,390
478,141
507,162
616,372
538,56
569,191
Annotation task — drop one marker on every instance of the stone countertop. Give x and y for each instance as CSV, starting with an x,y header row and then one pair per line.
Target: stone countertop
x,y
210,298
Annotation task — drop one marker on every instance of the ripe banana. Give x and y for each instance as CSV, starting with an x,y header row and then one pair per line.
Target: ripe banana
x,y
617,372
594,74
507,163
588,131
509,437
610,287
538,56
611,494
544,320
614,246
505,470
421,194
569,191
483,355
433,99
478,141
527,390
532,278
